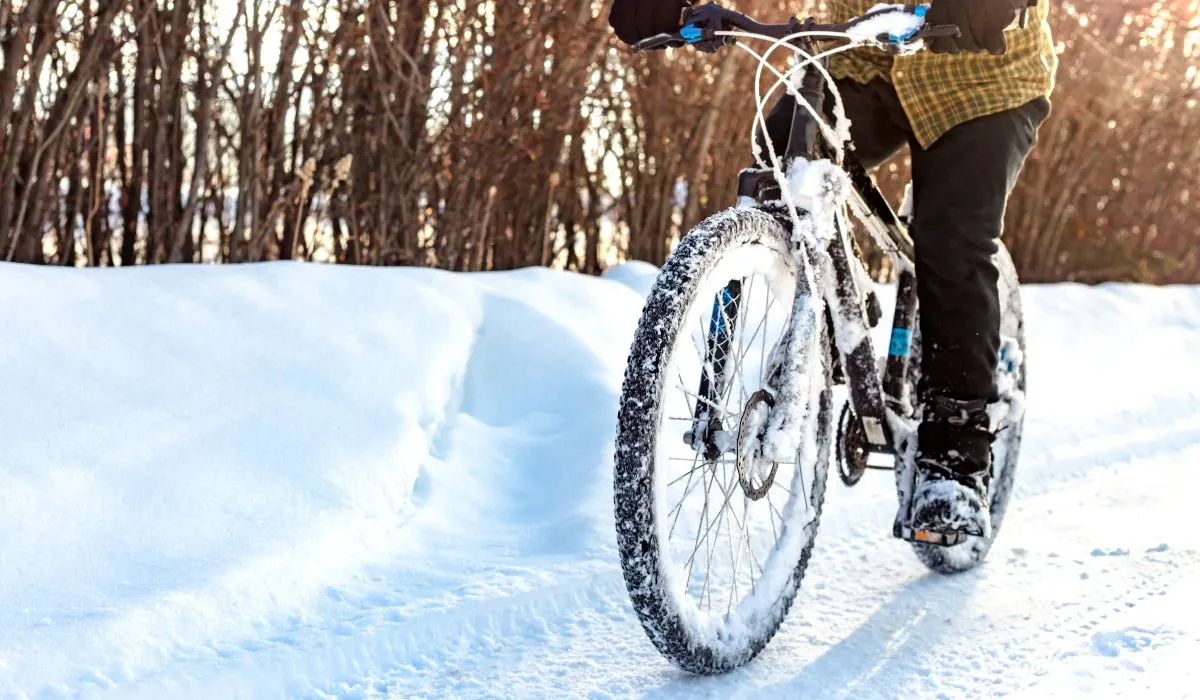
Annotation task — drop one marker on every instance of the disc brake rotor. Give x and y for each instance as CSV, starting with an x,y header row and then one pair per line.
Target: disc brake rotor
x,y
756,473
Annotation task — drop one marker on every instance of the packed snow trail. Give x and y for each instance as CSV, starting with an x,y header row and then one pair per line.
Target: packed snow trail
x,y
294,480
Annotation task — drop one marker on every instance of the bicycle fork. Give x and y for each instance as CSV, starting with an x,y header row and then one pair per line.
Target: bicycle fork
x,y
706,420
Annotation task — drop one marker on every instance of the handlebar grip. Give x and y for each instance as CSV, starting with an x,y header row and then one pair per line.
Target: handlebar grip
x,y
938,30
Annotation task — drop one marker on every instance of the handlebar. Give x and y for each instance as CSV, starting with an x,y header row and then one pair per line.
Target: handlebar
x,y
691,34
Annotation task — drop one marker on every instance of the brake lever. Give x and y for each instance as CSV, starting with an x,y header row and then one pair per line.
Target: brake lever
x,y
657,41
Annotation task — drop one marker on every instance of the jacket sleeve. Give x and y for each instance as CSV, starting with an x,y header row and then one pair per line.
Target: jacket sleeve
x,y
634,20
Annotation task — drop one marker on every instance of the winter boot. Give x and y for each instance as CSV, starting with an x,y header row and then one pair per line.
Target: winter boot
x,y
953,471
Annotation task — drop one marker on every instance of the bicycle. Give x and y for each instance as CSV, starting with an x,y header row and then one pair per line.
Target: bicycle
x,y
758,416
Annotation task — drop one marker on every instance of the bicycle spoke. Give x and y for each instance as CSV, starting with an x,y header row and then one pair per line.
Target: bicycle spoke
x,y
774,354
705,401
691,562
739,368
762,360
708,552
679,373
733,557
712,546
689,472
750,548
678,509
744,524
712,541
739,358
776,511
679,506
731,343
743,303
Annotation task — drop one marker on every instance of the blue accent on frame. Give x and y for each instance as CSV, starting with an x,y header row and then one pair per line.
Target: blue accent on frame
x,y
901,342
1009,365
717,327
691,33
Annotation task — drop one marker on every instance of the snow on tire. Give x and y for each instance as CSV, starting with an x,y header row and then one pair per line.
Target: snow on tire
x,y
709,633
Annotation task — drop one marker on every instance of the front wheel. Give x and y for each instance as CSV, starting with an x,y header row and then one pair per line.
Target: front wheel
x,y
1008,415
723,443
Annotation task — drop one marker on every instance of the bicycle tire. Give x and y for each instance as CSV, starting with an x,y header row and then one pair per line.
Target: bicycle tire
x,y
717,645
1006,449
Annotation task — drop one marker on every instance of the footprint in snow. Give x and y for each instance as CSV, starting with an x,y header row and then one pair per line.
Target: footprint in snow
x,y
1129,639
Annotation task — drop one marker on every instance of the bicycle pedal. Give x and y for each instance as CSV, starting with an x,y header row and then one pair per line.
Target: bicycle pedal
x,y
938,539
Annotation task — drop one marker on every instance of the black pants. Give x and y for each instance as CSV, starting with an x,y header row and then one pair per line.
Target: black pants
x,y
961,185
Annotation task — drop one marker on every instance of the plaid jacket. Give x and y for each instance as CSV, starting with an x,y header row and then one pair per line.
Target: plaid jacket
x,y
940,91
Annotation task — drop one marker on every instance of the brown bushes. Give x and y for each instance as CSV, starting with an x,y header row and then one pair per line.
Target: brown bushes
x,y
474,134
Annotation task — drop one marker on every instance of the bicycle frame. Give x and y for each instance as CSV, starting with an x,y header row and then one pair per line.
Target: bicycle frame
x,y
871,396
881,417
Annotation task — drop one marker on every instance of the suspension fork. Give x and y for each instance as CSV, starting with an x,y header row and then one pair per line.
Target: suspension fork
x,y
713,378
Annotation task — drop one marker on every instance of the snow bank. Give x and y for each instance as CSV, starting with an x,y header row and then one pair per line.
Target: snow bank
x,y
637,275
193,455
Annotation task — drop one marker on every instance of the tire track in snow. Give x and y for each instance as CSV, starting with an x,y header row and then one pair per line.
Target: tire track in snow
x,y
859,559
1109,444
901,606
963,636
882,569
327,663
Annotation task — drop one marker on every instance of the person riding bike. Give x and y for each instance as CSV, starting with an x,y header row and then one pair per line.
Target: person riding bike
x,y
969,109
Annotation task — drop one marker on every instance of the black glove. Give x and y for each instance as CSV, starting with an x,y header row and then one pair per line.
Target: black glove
x,y
981,22
709,17
634,20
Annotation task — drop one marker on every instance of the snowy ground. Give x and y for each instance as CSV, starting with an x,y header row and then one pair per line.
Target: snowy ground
x,y
310,481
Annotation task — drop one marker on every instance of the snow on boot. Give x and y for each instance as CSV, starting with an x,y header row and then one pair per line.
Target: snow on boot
x,y
953,471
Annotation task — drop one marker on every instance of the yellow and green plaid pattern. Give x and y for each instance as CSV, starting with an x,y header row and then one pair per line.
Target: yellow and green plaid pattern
x,y
941,91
